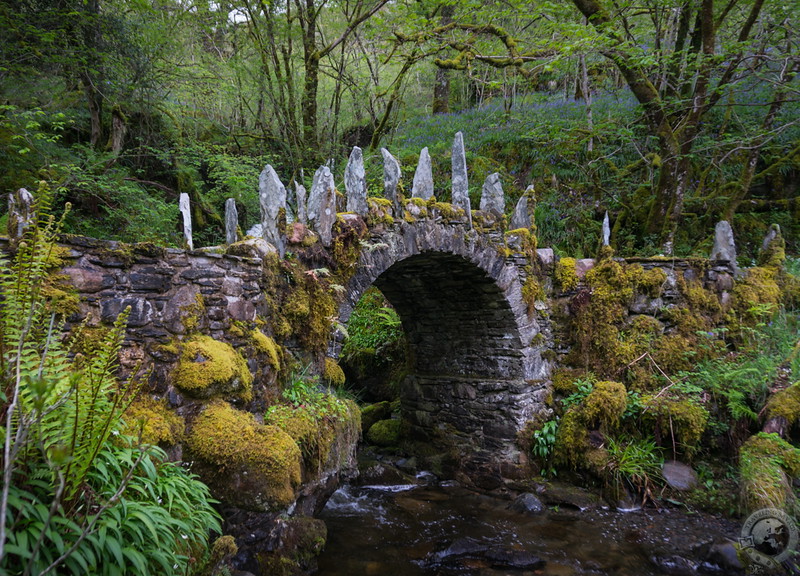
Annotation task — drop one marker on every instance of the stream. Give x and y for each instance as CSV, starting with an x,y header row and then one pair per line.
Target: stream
x,y
441,529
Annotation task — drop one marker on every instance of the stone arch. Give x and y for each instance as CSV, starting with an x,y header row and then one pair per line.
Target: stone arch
x,y
469,329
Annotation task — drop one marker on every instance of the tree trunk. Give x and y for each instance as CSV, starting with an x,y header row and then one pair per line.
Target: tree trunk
x,y
441,87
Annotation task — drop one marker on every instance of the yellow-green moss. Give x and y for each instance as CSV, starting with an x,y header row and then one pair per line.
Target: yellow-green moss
x,y
605,404
697,297
448,212
313,435
333,373
676,417
62,300
385,433
757,289
651,282
223,547
233,441
572,439
158,424
775,253
380,212
767,464
563,380
191,314
268,346
208,367
565,274
531,292
785,404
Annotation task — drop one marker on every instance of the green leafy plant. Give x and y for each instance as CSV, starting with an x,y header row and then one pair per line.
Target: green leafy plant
x,y
79,495
544,441
634,465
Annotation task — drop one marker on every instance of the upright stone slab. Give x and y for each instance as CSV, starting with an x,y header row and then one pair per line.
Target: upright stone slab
x,y
724,245
20,213
322,204
272,198
231,221
423,177
300,197
391,178
606,230
523,211
492,197
355,183
186,212
460,194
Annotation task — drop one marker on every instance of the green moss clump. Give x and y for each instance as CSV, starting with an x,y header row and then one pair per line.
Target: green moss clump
x,y
652,282
700,300
158,424
374,412
767,463
531,292
333,373
192,314
447,211
572,439
677,417
208,367
605,404
758,288
563,380
785,404
565,274
264,459
314,436
380,212
266,345
385,433
774,254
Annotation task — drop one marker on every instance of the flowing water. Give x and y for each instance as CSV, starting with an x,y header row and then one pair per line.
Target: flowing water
x,y
442,529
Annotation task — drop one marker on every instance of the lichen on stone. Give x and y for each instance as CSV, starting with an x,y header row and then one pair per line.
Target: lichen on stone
x,y
208,367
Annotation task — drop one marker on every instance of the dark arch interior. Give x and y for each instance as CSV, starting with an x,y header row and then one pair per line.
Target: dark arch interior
x,y
456,319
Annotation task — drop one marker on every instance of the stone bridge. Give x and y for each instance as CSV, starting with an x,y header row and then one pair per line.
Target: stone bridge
x,y
474,296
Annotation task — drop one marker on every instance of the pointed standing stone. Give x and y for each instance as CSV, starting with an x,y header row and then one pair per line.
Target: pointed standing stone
x,y
391,178
272,197
322,204
460,194
524,210
724,246
186,212
423,177
355,183
20,212
300,197
606,230
492,197
231,221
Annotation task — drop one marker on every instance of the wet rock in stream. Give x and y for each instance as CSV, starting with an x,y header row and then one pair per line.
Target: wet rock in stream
x,y
464,552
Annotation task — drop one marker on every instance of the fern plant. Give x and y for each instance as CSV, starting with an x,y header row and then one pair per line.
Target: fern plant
x,y
77,496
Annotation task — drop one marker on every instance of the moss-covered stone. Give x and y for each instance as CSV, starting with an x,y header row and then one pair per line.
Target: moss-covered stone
x,y
266,345
250,465
156,421
208,367
385,433
332,373
785,404
572,439
373,413
563,380
767,465
605,405
676,417
531,292
565,274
